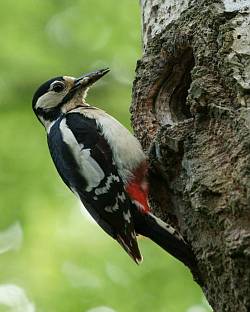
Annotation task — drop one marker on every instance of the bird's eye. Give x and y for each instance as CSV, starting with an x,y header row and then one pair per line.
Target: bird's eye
x,y
58,86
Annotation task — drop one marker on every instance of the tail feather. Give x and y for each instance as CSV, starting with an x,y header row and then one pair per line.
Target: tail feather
x,y
164,235
130,245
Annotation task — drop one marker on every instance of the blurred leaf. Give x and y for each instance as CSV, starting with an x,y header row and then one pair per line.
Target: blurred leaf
x,y
11,238
14,297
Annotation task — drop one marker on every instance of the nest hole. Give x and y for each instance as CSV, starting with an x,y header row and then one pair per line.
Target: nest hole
x,y
171,101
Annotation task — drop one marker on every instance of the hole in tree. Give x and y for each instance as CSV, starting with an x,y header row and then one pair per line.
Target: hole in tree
x,y
171,102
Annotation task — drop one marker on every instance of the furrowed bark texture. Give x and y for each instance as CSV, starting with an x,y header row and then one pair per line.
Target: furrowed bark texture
x,y
191,112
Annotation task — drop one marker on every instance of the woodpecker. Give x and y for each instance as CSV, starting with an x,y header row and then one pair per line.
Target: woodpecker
x,y
103,164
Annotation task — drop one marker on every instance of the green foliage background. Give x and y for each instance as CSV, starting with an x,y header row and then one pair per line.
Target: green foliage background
x,y
59,258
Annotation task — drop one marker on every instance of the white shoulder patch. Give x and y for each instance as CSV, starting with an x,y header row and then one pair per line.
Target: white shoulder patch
x,y
89,168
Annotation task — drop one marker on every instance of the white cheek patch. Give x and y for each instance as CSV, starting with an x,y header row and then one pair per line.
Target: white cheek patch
x,y
50,99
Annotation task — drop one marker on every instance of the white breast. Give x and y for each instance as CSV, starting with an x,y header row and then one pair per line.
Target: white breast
x,y
127,151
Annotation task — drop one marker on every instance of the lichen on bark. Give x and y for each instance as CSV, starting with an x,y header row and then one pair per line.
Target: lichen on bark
x,y
191,112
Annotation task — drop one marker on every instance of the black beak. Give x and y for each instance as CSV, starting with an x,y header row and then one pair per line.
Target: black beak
x,y
89,79
84,82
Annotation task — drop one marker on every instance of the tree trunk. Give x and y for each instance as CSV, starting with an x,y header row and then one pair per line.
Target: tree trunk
x,y
190,110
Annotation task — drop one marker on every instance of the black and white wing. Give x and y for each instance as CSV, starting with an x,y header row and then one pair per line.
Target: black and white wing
x,y
84,161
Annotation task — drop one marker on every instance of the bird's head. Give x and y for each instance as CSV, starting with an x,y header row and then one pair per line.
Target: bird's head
x,y
61,94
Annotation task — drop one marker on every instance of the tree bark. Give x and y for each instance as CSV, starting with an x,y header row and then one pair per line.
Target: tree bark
x,y
190,110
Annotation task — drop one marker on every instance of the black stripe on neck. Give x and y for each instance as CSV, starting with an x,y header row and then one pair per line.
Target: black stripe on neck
x,y
49,115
